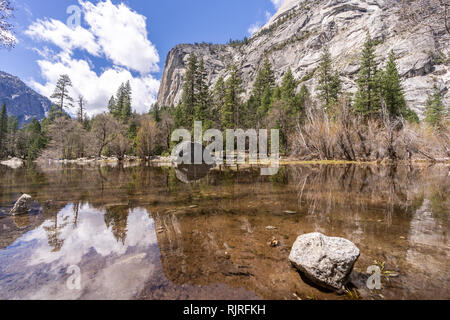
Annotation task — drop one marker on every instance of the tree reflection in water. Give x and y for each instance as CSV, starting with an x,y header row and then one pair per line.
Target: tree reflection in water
x,y
142,232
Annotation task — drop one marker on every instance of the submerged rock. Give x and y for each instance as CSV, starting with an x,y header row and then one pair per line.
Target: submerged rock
x,y
326,261
22,206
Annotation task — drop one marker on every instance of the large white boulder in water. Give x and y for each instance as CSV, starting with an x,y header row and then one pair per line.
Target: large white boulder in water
x,y
22,206
326,261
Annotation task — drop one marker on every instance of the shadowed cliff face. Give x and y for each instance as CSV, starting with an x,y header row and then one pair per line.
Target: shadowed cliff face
x,y
295,37
140,233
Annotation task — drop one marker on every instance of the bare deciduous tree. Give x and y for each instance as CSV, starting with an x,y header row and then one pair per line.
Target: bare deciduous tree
x,y
103,132
147,138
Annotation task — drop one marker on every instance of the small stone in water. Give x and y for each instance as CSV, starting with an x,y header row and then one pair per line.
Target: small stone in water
x,y
274,243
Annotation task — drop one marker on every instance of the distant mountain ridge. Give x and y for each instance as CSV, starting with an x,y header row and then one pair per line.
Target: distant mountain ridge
x,y
22,101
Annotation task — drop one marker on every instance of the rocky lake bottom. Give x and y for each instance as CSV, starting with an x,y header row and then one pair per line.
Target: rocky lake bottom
x,y
149,232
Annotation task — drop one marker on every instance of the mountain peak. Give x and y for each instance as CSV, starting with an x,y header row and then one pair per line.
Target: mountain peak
x,y
22,101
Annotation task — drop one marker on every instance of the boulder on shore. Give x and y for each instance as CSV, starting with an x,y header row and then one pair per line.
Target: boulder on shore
x,y
22,206
13,163
326,261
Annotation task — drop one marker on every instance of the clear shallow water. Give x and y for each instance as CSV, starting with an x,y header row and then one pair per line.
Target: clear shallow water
x,y
143,233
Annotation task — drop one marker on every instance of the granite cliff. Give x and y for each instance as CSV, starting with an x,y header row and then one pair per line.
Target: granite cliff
x,y
295,35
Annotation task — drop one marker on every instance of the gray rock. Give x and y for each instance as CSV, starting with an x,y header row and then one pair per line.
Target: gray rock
x,y
296,34
326,261
22,206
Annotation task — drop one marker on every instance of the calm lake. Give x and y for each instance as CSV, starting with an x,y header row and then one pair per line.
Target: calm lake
x,y
159,233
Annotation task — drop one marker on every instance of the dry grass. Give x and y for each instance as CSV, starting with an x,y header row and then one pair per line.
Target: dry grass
x,y
351,138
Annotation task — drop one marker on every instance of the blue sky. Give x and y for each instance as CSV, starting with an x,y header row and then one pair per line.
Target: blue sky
x,y
119,41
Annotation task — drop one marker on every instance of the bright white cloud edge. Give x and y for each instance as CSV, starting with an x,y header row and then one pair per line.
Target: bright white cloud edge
x,y
113,30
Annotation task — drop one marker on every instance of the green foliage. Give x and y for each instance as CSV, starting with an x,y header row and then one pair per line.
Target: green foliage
x,y
329,82
61,94
120,106
202,96
264,80
3,130
367,99
435,109
189,99
35,140
230,116
392,90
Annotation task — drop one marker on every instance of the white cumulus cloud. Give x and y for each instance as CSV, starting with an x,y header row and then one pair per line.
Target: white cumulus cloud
x,y
254,28
114,33
277,3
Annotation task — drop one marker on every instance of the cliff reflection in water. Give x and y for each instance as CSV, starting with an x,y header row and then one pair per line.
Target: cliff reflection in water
x,y
141,233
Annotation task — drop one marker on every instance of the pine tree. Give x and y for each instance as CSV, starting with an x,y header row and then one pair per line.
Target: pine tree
x,y
155,112
35,141
230,110
125,112
3,130
61,93
218,98
266,102
264,80
329,83
288,88
367,99
392,90
120,101
202,93
112,107
300,99
189,99
277,93
435,108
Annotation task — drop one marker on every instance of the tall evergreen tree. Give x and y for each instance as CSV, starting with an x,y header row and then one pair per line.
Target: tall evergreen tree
x,y
329,82
120,101
202,93
266,102
288,88
155,112
125,111
35,141
231,109
392,90
3,129
435,108
189,99
264,80
219,94
367,99
61,94
112,107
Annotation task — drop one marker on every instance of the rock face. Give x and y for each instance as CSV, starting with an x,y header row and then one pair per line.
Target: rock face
x,y
22,206
296,34
20,100
324,260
